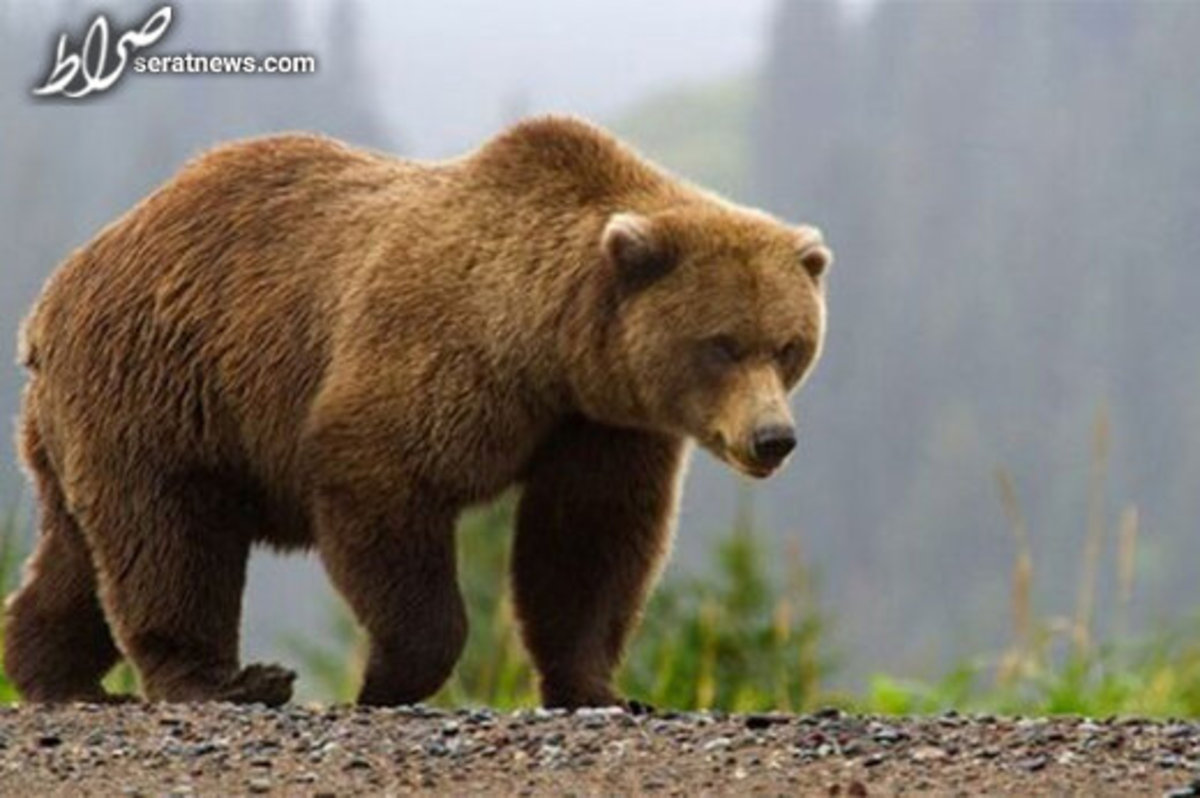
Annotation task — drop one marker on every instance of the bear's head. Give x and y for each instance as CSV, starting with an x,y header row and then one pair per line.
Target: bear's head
x,y
719,316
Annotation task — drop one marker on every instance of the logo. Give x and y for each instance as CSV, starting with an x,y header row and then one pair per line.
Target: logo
x,y
94,68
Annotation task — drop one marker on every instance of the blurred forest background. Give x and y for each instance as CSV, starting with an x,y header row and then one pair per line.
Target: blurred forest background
x,y
1012,190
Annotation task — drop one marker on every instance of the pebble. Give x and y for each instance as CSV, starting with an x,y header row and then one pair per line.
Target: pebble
x,y
886,734
200,749
927,753
1190,791
258,785
764,721
436,748
1033,764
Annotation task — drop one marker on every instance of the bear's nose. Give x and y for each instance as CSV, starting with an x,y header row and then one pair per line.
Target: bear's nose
x,y
773,443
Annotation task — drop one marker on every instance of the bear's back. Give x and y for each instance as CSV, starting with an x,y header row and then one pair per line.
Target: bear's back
x,y
199,321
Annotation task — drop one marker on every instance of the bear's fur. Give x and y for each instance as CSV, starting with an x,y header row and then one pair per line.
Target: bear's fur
x,y
298,343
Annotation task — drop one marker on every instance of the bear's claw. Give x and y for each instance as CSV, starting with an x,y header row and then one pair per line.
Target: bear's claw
x,y
259,684
635,707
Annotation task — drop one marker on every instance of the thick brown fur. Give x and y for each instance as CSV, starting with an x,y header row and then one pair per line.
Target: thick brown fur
x,y
297,343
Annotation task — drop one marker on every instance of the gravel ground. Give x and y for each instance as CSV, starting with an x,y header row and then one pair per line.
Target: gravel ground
x,y
222,749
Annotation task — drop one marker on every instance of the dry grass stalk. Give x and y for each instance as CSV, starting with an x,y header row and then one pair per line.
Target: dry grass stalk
x,y
1093,547
1018,660
1126,558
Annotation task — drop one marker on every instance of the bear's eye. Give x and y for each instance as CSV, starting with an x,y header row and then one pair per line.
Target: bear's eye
x,y
790,353
723,350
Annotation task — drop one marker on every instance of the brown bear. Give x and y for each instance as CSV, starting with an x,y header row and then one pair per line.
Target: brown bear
x,y
302,344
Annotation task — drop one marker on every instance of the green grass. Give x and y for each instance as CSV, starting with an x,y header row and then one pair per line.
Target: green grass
x,y
1159,679
735,636
10,560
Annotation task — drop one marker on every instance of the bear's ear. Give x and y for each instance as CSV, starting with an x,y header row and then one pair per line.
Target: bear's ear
x,y
816,259
639,252
814,256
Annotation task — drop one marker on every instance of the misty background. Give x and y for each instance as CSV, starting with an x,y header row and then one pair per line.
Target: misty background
x,y
1012,190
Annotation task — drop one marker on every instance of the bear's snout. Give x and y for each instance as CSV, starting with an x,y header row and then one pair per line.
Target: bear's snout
x,y
771,443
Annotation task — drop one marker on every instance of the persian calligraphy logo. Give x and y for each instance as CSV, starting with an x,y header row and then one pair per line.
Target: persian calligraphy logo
x,y
95,67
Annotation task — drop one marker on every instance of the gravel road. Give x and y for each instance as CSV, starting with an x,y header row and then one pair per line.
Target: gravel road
x,y
221,749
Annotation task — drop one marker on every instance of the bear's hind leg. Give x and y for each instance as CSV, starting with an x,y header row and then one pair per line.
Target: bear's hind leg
x,y
593,527
172,564
57,645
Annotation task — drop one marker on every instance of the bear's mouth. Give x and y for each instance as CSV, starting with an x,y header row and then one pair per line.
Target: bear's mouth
x,y
751,469
717,446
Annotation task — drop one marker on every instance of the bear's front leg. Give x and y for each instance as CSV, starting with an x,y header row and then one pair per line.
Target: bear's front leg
x,y
593,528
395,567
384,534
